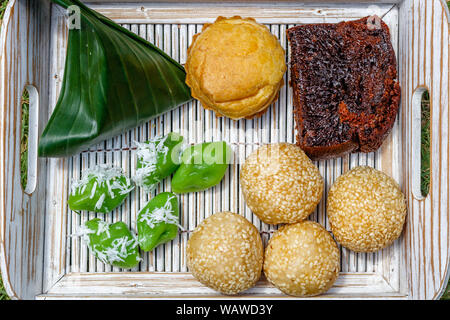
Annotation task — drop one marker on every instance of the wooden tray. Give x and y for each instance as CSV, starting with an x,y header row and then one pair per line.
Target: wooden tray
x,y
39,258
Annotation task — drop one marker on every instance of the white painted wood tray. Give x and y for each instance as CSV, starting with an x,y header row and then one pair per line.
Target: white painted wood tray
x,y
39,259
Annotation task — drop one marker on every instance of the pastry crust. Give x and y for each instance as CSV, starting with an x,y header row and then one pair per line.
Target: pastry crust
x,y
235,67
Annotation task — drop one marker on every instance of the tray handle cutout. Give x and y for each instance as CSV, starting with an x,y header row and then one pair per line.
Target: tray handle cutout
x,y
416,135
32,138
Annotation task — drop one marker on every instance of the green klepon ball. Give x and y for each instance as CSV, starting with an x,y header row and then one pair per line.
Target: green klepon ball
x,y
202,166
157,159
112,244
157,222
101,189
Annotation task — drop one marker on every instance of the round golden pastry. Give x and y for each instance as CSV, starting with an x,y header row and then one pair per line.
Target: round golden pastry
x,y
280,183
225,252
235,67
302,259
366,209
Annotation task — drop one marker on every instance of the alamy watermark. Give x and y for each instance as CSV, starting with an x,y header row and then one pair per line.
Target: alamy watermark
x,y
241,142
74,17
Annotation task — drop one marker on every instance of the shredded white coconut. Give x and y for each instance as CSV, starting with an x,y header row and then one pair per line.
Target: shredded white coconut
x,y
103,227
83,232
99,203
119,251
111,193
100,254
94,188
104,175
120,247
164,214
147,153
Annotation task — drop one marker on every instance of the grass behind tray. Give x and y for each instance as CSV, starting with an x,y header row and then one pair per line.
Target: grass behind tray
x,y
425,152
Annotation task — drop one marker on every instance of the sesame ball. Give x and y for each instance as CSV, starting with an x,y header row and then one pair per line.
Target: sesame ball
x,y
302,259
225,253
280,183
366,209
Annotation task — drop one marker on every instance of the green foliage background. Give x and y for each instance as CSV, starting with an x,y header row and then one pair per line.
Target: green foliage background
x,y
425,154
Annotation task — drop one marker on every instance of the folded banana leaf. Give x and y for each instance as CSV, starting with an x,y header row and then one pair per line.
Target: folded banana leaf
x,y
113,81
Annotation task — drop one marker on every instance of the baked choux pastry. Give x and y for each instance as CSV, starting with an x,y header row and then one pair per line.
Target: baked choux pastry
x,y
235,67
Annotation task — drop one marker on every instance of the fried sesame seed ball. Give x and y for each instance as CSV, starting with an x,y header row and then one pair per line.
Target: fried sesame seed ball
x,y
280,183
225,252
302,259
366,209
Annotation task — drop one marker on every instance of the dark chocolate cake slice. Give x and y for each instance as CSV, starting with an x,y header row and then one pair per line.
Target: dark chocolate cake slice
x,y
343,76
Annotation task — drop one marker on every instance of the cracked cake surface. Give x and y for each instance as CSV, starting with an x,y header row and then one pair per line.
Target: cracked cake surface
x,y
346,96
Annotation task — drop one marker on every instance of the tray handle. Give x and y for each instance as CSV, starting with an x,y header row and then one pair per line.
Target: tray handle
x,y
24,51
424,65
33,135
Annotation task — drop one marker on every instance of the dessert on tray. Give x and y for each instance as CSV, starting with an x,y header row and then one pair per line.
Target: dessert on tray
x,y
113,81
346,96
157,159
366,209
302,259
280,183
203,165
158,221
235,67
112,244
101,189
225,253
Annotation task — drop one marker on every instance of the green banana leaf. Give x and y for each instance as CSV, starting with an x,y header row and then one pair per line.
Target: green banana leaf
x,y
113,81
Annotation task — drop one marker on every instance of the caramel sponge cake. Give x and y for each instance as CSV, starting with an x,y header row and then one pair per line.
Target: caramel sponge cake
x,y
343,76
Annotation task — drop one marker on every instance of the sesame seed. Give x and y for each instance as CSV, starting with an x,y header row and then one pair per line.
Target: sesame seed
x,y
225,253
280,183
302,259
367,209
